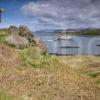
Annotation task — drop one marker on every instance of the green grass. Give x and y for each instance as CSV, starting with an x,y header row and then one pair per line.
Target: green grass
x,y
32,56
94,74
4,32
3,96
2,39
97,82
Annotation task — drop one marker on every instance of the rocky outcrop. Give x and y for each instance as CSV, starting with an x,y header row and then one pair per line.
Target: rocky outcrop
x,y
25,32
17,41
40,44
22,37
13,30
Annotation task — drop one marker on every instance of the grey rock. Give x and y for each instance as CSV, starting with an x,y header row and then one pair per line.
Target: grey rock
x,y
40,44
13,30
22,37
17,41
25,32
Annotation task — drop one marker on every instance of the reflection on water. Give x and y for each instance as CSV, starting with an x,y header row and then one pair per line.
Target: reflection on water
x,y
72,45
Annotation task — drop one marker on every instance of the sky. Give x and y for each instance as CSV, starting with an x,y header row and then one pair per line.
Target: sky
x,y
51,14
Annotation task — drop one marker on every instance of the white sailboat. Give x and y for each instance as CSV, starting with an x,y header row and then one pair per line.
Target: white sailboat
x,y
66,37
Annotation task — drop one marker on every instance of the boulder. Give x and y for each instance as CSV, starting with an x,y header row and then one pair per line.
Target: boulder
x,y
19,37
13,30
40,44
22,37
17,41
25,32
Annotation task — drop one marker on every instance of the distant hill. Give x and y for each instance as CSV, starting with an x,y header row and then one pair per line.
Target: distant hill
x,y
81,31
48,31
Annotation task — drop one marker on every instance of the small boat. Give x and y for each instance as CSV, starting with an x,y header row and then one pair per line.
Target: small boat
x,y
49,40
65,38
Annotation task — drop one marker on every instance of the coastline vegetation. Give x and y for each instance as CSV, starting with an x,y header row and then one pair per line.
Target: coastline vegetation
x,y
89,32
83,32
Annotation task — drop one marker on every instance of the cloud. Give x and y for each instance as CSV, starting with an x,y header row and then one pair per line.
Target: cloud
x,y
63,13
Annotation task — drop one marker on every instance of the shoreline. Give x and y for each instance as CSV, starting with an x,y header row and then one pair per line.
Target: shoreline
x,y
58,54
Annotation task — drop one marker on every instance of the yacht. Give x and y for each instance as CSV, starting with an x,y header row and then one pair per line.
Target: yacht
x,y
66,37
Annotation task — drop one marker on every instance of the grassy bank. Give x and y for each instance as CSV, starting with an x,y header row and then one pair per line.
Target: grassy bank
x,y
27,75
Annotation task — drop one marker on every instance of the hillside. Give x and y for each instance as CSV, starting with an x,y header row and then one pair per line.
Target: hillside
x,y
26,74
81,31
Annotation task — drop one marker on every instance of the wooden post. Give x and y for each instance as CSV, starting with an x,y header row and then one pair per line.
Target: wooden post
x,y
1,11
0,16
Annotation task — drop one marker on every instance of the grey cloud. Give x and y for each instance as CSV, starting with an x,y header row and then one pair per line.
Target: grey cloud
x,y
96,3
64,13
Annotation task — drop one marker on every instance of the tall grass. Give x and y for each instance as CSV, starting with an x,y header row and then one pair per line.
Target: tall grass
x,y
94,74
2,39
4,32
32,56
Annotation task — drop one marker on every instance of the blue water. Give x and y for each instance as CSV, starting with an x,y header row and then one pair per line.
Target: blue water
x,y
80,44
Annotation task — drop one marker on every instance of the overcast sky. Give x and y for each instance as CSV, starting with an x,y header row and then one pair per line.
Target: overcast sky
x,y
51,14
